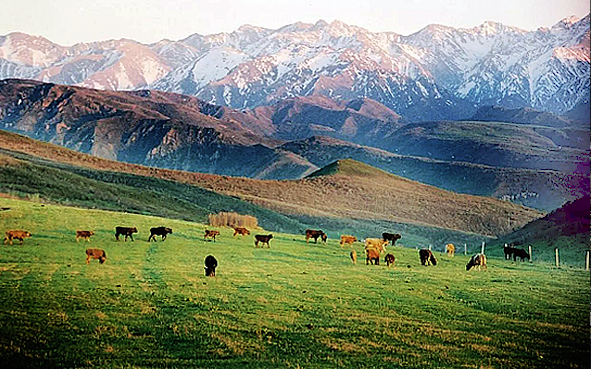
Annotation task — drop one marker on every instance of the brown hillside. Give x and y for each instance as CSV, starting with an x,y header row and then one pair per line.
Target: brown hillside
x,y
351,190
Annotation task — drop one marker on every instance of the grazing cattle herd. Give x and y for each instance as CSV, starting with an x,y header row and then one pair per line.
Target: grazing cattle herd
x,y
373,248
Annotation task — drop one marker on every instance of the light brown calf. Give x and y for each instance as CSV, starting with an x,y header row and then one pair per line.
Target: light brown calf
x,y
84,234
16,234
99,254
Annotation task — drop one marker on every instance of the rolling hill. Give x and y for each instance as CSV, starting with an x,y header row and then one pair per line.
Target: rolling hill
x,y
181,132
541,189
379,197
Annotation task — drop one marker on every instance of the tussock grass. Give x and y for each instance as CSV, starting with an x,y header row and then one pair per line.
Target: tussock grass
x,y
293,305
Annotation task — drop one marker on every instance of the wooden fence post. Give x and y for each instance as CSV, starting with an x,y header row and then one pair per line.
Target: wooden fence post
x,y
429,246
465,249
482,251
557,258
587,260
531,256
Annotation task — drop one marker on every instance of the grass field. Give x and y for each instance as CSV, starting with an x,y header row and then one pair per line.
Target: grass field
x,y
290,306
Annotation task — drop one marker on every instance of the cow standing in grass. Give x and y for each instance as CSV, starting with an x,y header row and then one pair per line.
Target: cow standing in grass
x,y
508,251
313,233
521,254
263,239
241,231
478,260
125,231
210,233
159,231
389,259
210,264
427,257
84,235
450,249
16,235
354,256
99,254
393,237
347,240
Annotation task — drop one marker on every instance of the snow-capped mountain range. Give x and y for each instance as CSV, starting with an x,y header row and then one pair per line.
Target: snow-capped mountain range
x,y
437,73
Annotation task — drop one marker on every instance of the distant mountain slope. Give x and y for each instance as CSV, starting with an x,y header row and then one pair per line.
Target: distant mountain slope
x,y
379,197
494,144
145,127
436,73
521,115
540,189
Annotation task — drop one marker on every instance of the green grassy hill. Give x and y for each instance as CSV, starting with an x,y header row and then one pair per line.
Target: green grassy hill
x,y
291,305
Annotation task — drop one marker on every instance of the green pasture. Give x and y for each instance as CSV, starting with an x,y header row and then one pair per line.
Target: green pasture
x,y
293,305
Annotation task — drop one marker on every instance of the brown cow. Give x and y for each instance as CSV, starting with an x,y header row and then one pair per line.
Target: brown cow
x,y
376,244
389,259
373,256
99,254
427,257
391,237
313,233
354,256
450,249
347,240
212,234
264,239
16,234
84,234
241,231
477,260
125,231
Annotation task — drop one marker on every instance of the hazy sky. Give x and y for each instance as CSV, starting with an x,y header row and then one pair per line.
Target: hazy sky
x,y
69,21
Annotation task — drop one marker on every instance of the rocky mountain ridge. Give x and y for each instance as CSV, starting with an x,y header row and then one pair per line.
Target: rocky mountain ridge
x,y
437,73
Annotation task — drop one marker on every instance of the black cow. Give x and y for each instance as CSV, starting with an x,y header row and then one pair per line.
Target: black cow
x,y
125,231
159,231
427,257
264,239
508,250
391,237
210,264
521,254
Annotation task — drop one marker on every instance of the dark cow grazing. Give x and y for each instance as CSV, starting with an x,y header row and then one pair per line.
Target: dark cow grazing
x,y
521,254
391,237
212,234
312,233
159,231
477,260
125,231
264,239
16,235
389,259
99,254
241,231
347,240
427,257
210,264
508,250
354,257
84,235
372,256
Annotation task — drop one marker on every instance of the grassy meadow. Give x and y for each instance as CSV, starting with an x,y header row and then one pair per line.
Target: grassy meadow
x,y
293,305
